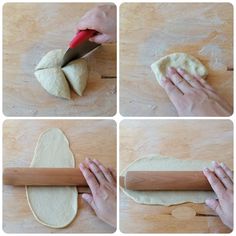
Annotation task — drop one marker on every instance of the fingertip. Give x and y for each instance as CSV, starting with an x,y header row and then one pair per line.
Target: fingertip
x,y
169,70
86,197
163,81
81,166
208,202
223,165
88,159
215,164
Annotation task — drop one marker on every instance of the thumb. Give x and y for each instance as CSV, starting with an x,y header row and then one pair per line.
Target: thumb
x,y
89,199
214,205
100,38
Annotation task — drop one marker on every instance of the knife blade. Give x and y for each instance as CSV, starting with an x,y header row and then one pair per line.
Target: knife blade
x,y
80,46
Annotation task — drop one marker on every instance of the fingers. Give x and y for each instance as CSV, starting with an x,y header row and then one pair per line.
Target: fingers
x,y
221,174
227,171
89,177
113,172
89,199
178,81
214,205
95,170
189,78
101,38
215,183
172,91
204,83
106,172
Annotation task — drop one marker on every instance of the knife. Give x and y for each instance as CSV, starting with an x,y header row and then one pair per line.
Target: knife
x,y
80,46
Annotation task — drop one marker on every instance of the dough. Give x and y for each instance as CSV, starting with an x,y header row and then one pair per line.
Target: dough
x,y
77,74
51,59
167,198
183,60
55,80
55,207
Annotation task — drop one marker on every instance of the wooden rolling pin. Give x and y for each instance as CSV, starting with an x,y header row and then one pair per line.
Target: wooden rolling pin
x,y
44,177
165,180
135,180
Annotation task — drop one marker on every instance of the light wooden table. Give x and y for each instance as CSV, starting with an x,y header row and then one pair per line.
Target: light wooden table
x,y
151,31
94,139
30,30
183,139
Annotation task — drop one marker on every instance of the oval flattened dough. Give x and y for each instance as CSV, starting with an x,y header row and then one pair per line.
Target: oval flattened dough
x,y
54,82
167,198
181,60
55,207
77,73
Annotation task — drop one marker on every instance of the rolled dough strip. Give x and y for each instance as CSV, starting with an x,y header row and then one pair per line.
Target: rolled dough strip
x,y
55,207
178,60
158,163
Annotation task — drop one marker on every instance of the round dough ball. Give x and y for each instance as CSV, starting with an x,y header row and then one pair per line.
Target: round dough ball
x,y
179,60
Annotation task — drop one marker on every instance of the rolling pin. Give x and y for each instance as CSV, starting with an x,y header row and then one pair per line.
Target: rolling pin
x,y
134,180
44,177
165,180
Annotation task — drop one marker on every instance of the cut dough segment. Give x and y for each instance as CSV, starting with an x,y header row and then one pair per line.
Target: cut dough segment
x,y
54,82
158,163
55,207
77,73
178,60
51,59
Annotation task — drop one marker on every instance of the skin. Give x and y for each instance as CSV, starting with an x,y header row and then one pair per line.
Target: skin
x,y
192,95
102,19
102,183
221,181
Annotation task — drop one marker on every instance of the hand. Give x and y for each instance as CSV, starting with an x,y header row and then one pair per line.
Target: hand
x,y
102,183
193,96
221,181
102,19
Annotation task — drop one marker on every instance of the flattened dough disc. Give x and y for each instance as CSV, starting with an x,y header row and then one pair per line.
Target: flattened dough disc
x,y
178,60
55,207
158,163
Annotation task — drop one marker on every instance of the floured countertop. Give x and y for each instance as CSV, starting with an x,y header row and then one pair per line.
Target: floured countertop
x,y
36,29
203,30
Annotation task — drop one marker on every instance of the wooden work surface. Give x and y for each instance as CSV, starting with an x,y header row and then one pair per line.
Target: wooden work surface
x,y
183,139
151,31
30,31
94,139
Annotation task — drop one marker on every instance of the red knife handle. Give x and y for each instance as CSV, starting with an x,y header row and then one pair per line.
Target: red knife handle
x,y
81,36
